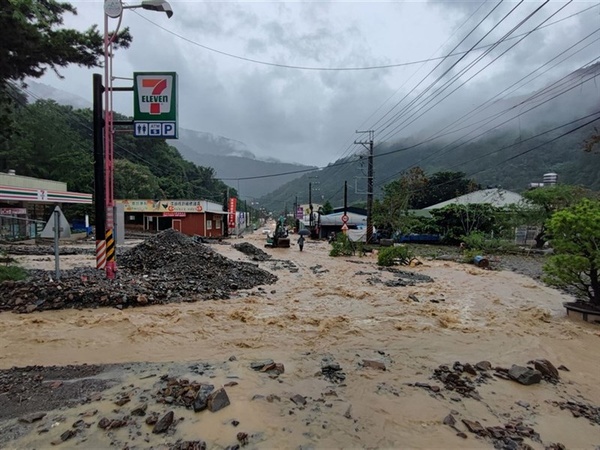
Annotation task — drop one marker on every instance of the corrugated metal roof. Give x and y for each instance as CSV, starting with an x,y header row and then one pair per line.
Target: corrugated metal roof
x,y
495,197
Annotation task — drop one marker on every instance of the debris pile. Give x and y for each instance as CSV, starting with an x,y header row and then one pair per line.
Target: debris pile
x,y
255,253
168,267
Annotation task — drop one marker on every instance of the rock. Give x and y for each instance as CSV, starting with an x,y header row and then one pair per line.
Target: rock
x,y
235,423
232,358
152,418
565,368
483,365
142,299
67,435
122,401
140,410
348,413
242,438
547,369
524,375
164,423
272,397
474,427
370,364
470,369
33,417
103,423
462,435
217,400
522,404
449,420
231,384
200,402
188,445
258,365
298,399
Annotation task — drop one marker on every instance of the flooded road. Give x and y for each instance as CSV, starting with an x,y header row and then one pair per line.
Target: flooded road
x,y
336,308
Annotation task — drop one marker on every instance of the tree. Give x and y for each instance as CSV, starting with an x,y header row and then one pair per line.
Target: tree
x,y
593,141
34,40
545,201
327,208
135,181
576,242
443,186
455,220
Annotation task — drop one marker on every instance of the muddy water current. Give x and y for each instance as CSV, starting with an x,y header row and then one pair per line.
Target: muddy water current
x,y
339,309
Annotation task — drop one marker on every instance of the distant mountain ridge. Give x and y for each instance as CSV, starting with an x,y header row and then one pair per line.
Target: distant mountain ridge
x,y
229,158
506,153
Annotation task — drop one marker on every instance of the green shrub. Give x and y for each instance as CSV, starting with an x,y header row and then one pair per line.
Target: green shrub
x,y
342,246
481,243
390,256
13,273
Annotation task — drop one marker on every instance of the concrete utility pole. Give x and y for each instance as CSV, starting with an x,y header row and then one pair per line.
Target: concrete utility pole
x,y
369,181
310,206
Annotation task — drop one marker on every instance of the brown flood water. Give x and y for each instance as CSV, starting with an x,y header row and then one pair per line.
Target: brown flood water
x,y
502,317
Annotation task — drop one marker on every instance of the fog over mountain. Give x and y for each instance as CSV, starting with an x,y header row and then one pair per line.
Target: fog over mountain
x,y
229,158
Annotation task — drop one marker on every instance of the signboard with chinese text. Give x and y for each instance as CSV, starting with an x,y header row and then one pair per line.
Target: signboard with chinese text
x,y
12,211
232,209
162,206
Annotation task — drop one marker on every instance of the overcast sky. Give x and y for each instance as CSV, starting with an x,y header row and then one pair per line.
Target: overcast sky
x,y
310,116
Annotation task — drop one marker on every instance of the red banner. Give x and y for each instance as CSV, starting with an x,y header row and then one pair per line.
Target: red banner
x,y
232,211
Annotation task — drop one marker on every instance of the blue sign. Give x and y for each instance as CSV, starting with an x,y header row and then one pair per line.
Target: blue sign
x,y
163,130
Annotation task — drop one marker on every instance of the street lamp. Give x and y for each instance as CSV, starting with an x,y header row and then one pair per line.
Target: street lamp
x,y
105,244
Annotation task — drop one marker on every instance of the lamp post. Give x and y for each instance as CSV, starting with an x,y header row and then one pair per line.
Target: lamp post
x,y
105,245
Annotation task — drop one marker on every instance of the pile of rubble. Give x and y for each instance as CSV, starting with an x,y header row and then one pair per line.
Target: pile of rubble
x,y
168,267
253,252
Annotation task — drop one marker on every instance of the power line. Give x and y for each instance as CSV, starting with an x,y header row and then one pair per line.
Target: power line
x,y
396,130
298,67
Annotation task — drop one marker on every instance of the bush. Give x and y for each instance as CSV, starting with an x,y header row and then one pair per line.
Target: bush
x,y
342,246
478,241
390,256
13,273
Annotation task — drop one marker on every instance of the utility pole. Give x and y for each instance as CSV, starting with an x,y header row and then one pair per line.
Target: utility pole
x,y
345,198
369,181
310,206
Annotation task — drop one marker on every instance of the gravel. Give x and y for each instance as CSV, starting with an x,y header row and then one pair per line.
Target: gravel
x,y
169,267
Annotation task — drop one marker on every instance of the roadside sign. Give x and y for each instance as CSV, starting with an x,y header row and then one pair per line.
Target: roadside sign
x,y
345,219
155,105
13,211
344,228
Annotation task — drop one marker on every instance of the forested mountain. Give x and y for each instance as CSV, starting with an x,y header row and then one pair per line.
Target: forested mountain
x,y
229,158
55,142
527,136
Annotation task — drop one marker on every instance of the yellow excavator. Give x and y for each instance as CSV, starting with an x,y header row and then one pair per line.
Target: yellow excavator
x,y
280,238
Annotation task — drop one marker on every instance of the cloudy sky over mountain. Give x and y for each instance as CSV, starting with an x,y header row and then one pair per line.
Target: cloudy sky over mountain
x,y
310,116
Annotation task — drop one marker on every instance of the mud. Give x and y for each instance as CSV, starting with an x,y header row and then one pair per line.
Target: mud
x,y
332,332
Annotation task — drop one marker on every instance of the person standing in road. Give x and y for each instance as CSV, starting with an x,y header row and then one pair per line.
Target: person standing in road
x,y
301,242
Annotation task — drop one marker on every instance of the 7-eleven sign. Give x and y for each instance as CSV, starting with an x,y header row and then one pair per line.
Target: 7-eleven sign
x,y
155,104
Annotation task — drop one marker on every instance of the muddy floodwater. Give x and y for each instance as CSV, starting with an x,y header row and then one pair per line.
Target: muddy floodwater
x,y
321,310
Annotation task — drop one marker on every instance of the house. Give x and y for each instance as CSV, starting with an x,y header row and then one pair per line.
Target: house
x,y
496,197
190,217
26,203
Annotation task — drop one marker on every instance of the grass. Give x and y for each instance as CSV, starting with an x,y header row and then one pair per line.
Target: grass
x,y
12,273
